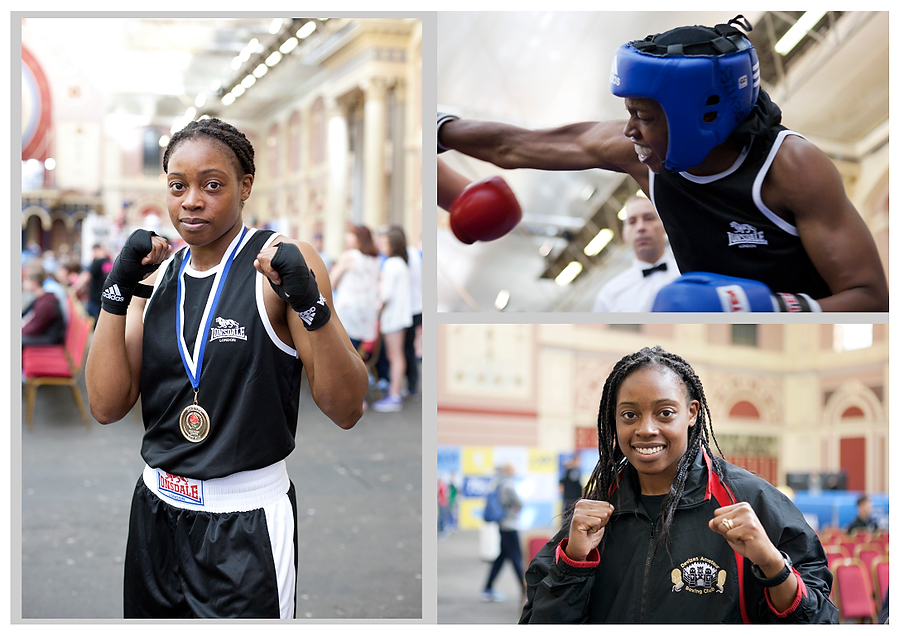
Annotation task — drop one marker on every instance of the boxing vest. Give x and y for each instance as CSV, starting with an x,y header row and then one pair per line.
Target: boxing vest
x,y
249,380
720,224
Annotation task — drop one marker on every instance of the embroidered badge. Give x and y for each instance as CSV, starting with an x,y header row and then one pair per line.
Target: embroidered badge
x,y
745,235
180,488
700,576
227,330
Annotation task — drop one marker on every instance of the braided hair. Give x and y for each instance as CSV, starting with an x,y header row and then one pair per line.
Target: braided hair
x,y
612,459
220,131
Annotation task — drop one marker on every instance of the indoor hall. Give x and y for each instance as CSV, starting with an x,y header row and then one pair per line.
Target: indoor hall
x,y
804,407
332,109
542,70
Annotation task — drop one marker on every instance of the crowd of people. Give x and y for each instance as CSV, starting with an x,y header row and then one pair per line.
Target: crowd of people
x,y
377,282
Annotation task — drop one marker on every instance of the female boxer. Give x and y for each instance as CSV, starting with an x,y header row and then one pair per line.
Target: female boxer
x,y
215,353
667,532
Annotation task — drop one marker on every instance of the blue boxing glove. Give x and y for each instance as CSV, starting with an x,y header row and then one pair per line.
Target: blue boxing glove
x,y
127,272
442,118
298,286
703,291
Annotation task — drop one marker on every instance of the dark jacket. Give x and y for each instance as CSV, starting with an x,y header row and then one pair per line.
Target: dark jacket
x,y
699,579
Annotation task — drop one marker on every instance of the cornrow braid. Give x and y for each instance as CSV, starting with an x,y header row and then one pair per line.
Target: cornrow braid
x,y
219,130
612,459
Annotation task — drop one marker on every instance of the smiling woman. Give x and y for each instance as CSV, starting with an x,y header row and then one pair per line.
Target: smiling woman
x,y
672,521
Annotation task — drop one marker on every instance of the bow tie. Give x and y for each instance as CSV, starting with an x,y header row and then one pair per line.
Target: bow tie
x,y
659,268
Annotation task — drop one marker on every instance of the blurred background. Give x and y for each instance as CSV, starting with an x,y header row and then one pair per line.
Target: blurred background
x,y
331,106
803,406
540,70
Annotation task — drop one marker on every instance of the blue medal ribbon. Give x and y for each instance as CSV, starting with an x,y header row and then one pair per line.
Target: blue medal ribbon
x,y
220,284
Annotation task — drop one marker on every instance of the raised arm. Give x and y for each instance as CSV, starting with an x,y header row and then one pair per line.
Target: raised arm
x,y
572,147
113,367
804,183
337,375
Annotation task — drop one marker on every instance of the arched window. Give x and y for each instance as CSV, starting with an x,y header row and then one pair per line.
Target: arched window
x,y
744,409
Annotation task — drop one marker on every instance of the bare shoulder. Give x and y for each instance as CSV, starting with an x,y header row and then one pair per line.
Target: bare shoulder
x,y
802,177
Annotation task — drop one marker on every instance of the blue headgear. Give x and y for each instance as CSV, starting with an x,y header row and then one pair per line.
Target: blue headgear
x,y
705,79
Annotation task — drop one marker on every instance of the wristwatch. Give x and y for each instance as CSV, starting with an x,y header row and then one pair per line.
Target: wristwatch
x,y
779,578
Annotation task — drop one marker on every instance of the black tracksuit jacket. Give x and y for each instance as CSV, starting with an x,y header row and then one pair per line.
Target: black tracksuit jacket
x,y
699,579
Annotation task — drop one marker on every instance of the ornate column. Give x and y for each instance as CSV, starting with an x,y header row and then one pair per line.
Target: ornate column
x,y
336,212
374,126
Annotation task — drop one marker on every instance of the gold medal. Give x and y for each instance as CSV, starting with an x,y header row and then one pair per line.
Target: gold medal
x,y
194,422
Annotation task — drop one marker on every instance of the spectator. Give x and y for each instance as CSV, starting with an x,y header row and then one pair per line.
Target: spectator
x,y
413,331
509,535
395,311
43,322
864,519
355,281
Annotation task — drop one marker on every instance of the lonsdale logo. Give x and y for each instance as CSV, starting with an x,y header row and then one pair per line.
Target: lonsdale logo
x,y
227,329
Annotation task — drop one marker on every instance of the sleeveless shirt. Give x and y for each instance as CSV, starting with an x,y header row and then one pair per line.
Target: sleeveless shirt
x,y
720,224
249,381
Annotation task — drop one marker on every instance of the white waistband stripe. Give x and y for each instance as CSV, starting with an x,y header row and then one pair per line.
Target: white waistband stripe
x,y
240,492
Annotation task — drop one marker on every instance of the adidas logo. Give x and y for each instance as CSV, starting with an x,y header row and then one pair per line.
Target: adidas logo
x,y
308,316
614,74
113,293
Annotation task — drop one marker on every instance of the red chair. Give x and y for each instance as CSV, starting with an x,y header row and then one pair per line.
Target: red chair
x,y
535,545
880,572
58,364
835,553
853,592
861,536
866,552
830,535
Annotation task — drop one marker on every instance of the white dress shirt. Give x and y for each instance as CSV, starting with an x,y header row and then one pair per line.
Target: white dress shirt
x,y
632,291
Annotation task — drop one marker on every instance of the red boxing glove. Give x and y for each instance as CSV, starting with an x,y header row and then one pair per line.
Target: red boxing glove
x,y
484,211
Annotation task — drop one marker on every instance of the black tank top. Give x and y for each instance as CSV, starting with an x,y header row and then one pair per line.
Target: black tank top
x,y
720,224
249,382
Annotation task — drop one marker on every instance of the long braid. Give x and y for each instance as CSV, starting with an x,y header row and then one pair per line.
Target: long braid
x,y
221,131
611,460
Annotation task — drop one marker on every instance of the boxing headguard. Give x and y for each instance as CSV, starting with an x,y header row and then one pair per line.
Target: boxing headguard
x,y
705,79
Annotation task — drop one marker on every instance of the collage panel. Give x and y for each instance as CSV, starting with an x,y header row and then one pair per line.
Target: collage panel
x,y
759,161
221,241
697,473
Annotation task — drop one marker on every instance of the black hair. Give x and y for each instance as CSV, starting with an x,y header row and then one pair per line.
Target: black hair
x,y
221,131
612,461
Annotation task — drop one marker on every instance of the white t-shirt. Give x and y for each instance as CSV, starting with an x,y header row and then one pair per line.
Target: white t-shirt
x,y
394,293
356,297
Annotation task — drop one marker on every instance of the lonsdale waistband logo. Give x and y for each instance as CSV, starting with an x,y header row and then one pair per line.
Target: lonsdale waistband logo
x,y
700,576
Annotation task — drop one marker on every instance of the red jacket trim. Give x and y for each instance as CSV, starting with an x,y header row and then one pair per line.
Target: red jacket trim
x,y
802,593
592,560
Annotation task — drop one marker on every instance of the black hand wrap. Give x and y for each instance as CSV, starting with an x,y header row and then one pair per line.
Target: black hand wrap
x,y
442,118
298,286
794,303
127,272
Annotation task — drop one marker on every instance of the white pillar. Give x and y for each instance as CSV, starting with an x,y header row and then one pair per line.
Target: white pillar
x,y
336,210
374,125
